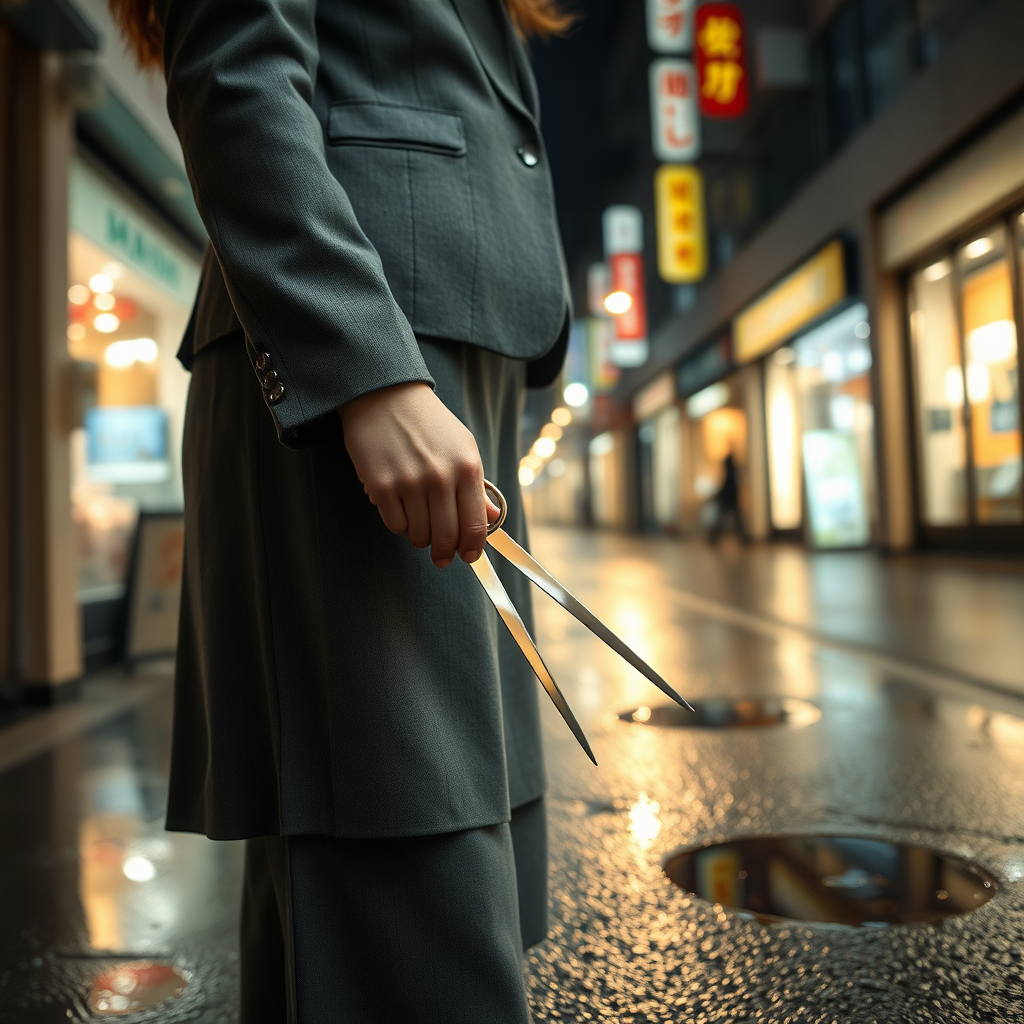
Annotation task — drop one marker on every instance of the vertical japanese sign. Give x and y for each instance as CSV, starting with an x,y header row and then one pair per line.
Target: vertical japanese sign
x,y
679,211
721,60
674,121
623,245
670,25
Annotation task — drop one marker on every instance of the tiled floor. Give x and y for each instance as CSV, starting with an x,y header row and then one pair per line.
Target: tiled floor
x,y
906,749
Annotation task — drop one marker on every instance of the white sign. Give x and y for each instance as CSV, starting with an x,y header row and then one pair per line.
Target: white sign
x,y
623,228
670,25
674,119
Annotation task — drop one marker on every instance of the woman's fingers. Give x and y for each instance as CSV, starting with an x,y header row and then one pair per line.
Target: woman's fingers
x,y
417,513
472,518
444,524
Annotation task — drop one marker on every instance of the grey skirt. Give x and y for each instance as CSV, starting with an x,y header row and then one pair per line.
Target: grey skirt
x,y
330,680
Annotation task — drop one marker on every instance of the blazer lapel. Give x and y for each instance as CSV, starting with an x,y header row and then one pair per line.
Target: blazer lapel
x,y
485,33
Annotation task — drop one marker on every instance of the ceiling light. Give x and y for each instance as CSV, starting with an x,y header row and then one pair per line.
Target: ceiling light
x,y
114,270
993,343
937,271
76,332
104,301
544,447
79,295
122,354
979,247
562,416
106,323
576,394
101,283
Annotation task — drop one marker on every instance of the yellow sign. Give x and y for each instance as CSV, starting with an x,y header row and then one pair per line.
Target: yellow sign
x,y
679,208
797,300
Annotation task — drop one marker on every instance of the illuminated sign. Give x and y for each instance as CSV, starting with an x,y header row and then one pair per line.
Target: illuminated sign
x,y
670,25
623,228
804,295
679,217
603,373
721,61
674,121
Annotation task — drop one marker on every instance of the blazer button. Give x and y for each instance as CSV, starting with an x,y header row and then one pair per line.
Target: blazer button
x,y
275,393
262,361
269,380
529,154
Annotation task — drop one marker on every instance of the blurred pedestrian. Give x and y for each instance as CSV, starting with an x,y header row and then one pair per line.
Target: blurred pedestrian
x,y
384,278
726,503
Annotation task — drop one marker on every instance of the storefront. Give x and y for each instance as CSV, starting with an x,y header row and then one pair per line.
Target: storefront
x,y
956,242
131,285
659,454
810,339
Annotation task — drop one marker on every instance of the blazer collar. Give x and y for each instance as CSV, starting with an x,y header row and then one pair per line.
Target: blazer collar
x,y
483,27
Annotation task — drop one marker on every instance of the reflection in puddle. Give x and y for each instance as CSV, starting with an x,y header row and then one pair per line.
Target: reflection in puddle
x,y
130,987
643,820
837,879
728,714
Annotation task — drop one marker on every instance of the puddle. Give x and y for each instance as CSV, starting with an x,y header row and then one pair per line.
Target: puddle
x,y
134,986
839,879
727,713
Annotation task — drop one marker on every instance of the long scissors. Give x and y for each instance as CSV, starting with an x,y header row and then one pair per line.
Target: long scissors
x,y
536,573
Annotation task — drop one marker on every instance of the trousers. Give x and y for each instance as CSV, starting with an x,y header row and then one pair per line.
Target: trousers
x,y
410,930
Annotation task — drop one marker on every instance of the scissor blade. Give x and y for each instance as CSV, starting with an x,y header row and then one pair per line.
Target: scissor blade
x,y
507,610
533,570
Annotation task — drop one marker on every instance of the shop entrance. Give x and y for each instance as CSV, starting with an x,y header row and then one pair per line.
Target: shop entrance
x,y
964,316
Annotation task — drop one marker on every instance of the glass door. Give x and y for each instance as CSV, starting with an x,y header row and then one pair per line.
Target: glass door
x,y
963,332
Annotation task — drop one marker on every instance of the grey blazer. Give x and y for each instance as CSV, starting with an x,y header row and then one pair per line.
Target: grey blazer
x,y
369,171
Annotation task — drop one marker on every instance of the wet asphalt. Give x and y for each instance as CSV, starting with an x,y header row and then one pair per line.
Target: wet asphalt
x,y
914,665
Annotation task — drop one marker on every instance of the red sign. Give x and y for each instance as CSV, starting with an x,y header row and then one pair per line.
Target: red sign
x,y
721,61
628,276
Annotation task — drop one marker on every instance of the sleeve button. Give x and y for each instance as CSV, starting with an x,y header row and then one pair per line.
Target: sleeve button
x,y
262,361
275,393
269,380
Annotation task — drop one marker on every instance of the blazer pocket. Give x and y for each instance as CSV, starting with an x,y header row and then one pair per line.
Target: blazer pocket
x,y
393,126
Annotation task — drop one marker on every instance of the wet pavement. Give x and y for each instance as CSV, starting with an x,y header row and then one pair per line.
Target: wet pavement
x,y
100,906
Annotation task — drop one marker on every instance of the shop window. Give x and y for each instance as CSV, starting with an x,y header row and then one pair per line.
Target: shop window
x,y
990,377
785,480
939,388
659,453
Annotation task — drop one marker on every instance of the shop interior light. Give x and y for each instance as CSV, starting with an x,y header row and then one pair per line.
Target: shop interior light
x,y
552,430
708,400
104,301
139,869
79,295
101,283
618,303
978,247
862,329
954,387
979,383
106,323
544,447
122,354
784,356
562,416
576,394
114,270
993,343
76,332
858,360
556,468
602,444
526,476
937,271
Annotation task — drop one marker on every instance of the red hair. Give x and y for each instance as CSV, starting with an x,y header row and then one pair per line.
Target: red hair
x,y
144,36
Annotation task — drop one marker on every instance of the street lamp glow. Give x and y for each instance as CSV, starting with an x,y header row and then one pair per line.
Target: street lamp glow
x,y
618,303
544,447
576,394
562,416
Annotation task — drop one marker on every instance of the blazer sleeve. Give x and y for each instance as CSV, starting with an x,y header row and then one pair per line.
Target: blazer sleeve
x,y
306,283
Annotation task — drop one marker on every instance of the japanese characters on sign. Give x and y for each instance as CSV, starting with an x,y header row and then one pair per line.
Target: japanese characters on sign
x,y
721,60
670,25
679,212
674,119
623,247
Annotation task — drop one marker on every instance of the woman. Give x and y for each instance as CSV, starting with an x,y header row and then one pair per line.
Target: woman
x,y
384,278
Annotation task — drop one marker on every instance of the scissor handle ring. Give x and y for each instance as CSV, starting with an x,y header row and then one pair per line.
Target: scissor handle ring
x,y
499,500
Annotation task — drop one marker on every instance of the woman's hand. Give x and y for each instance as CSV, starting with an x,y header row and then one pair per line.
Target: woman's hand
x,y
420,466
